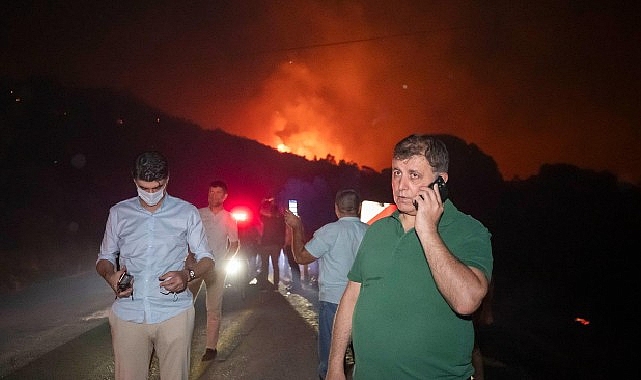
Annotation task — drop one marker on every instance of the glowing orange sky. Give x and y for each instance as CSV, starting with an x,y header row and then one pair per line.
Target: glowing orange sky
x,y
527,83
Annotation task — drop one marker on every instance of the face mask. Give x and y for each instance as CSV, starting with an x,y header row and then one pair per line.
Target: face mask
x,y
151,199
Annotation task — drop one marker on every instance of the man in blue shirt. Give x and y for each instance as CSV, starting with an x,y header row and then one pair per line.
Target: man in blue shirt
x,y
334,245
151,235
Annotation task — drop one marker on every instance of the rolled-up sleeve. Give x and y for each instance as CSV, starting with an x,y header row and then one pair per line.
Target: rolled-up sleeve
x,y
109,246
197,239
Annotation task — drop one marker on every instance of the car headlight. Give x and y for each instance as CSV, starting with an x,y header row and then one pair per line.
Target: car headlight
x,y
233,266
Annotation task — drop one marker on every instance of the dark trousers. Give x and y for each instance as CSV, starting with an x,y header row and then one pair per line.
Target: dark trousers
x,y
293,265
268,252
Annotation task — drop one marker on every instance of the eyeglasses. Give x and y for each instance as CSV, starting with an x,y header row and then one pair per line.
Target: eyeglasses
x,y
165,292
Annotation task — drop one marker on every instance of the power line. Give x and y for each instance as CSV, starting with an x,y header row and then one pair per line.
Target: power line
x,y
355,41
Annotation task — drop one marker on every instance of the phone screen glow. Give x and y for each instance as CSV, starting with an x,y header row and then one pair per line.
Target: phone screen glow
x,y
293,206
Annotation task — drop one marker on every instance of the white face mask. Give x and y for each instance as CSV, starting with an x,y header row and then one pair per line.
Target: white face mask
x,y
151,199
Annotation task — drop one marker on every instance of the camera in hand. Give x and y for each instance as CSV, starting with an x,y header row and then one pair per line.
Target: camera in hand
x,y
124,282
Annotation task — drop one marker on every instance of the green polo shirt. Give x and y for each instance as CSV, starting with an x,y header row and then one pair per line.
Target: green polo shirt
x,y
402,326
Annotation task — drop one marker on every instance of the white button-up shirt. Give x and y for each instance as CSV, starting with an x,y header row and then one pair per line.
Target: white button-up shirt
x,y
150,245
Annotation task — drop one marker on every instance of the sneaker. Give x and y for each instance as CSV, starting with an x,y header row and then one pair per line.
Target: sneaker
x,y
209,354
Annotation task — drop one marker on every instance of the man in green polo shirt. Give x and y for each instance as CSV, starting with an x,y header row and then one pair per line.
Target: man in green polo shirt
x,y
418,276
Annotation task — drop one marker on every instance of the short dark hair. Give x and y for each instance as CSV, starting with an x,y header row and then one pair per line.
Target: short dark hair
x,y
150,166
219,183
348,201
429,146
269,205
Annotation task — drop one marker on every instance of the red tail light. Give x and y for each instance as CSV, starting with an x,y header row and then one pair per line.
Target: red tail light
x,y
241,214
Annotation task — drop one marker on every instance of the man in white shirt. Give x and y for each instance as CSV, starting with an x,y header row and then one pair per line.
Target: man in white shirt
x,y
222,234
149,236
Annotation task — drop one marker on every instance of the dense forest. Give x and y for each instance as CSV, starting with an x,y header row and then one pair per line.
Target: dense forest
x,y
562,239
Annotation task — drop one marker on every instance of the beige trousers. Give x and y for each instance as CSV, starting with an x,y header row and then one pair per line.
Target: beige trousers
x,y
133,344
214,287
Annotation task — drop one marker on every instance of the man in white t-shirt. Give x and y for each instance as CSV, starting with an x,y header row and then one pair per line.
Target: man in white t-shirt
x,y
222,234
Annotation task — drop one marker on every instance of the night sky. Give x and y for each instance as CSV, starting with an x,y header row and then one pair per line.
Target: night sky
x,y
529,82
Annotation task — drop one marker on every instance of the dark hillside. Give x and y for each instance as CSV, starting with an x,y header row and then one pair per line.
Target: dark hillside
x,y
66,158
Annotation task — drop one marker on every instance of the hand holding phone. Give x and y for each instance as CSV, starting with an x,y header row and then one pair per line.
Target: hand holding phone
x,y
124,282
442,189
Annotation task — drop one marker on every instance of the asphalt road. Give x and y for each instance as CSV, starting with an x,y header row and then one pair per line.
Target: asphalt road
x,y
59,330
48,315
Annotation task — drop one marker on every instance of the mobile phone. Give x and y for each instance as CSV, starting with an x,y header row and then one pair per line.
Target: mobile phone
x,y
124,282
442,187
292,205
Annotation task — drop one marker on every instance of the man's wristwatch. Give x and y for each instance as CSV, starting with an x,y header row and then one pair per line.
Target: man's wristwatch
x,y
192,275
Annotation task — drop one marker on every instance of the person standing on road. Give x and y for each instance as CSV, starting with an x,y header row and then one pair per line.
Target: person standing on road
x,y
294,268
222,234
272,242
334,245
249,234
151,235
418,276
